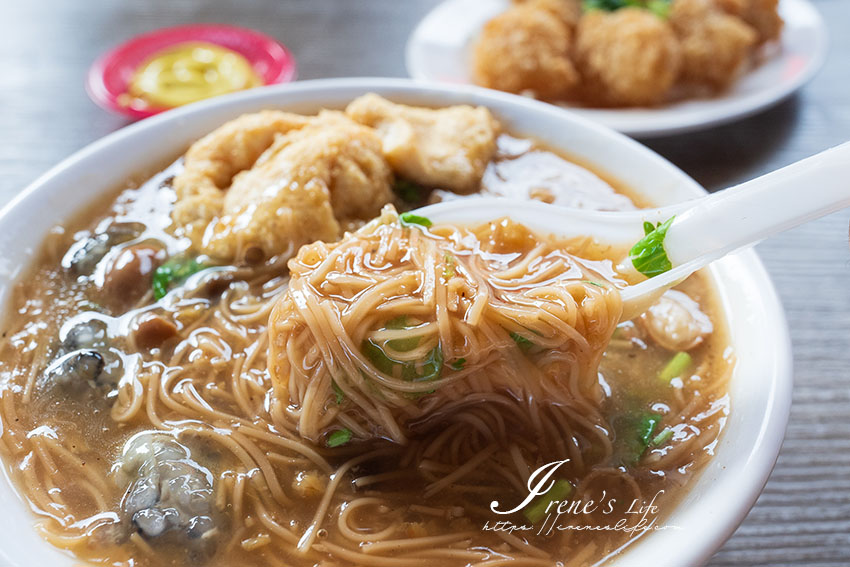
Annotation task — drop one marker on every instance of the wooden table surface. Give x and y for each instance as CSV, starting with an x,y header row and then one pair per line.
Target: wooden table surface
x,y
803,516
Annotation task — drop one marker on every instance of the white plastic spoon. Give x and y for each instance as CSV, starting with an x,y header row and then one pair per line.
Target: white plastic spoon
x,y
702,230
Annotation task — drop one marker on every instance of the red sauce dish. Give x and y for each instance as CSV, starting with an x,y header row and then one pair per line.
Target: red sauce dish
x,y
110,76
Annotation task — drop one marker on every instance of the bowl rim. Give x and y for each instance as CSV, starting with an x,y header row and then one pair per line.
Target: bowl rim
x,y
775,383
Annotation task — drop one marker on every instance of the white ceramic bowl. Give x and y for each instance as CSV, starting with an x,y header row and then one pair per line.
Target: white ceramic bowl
x,y
760,387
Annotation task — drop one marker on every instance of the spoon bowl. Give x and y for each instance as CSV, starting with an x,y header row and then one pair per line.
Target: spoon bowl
x,y
699,232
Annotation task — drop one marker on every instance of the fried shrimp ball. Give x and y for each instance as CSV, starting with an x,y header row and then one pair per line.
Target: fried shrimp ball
x,y
526,49
716,46
626,58
762,15
569,11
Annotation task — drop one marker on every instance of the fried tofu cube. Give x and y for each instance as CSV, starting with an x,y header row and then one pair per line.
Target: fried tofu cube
x,y
447,148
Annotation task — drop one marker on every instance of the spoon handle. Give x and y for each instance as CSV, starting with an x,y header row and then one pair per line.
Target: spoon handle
x,y
749,212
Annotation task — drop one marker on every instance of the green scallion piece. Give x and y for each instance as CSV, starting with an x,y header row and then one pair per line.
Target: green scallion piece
x,y
174,271
536,511
662,437
676,367
522,342
338,438
409,219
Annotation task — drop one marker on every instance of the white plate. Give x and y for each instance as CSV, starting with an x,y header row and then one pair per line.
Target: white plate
x,y
760,387
440,50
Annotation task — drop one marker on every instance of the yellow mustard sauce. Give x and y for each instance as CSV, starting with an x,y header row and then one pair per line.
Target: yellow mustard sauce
x,y
191,72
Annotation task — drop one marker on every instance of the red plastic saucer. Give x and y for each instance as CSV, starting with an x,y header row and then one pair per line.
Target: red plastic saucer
x,y
110,74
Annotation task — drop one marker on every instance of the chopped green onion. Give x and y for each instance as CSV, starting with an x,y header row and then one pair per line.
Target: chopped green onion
x,y
458,364
591,282
522,342
340,395
409,219
662,437
432,365
449,270
402,345
633,434
648,255
536,511
339,437
400,322
408,191
646,427
676,367
174,271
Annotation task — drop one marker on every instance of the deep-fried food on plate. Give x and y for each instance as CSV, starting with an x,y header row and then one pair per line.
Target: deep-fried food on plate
x,y
526,49
569,11
622,52
626,58
716,46
763,15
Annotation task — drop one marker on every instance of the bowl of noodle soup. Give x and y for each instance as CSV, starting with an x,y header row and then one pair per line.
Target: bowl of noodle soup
x,y
751,405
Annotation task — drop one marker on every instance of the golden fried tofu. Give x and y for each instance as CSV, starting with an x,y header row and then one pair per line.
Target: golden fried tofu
x,y
211,162
298,190
448,148
716,46
762,15
526,49
569,11
629,57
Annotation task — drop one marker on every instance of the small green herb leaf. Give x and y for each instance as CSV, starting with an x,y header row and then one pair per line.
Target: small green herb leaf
x,y
536,511
458,364
339,437
523,343
660,8
409,219
431,366
340,395
173,272
634,432
402,345
408,191
648,255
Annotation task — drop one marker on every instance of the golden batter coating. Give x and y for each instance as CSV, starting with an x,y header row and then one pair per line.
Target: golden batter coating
x,y
448,148
299,189
762,15
526,49
716,46
629,57
211,162
569,11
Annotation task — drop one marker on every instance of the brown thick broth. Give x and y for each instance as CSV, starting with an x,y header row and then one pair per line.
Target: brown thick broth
x,y
61,444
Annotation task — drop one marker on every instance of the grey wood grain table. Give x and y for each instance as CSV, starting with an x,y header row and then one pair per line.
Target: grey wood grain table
x,y
803,516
